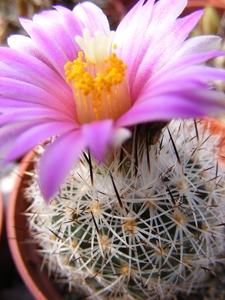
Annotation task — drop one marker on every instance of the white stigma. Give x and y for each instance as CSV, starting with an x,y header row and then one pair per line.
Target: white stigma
x,y
97,48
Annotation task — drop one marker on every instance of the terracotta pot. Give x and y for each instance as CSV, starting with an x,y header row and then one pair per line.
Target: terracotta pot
x,y
23,249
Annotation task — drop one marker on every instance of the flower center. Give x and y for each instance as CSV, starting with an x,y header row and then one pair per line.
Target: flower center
x,y
98,79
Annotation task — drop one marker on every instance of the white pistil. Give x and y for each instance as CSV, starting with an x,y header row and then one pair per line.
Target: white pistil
x,y
97,48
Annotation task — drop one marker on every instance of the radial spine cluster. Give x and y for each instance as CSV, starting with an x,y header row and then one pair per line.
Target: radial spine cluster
x,y
146,224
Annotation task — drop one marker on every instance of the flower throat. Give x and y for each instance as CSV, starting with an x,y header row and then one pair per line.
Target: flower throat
x,y
98,79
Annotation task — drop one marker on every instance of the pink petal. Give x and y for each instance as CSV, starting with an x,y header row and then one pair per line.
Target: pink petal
x,y
57,160
136,13
198,44
70,22
193,51
31,113
92,17
163,46
12,88
98,136
186,62
189,78
51,23
35,134
152,51
180,104
27,45
25,68
168,10
141,48
137,21
7,104
9,132
48,45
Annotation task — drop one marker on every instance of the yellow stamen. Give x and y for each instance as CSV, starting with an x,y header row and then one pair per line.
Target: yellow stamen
x,y
98,79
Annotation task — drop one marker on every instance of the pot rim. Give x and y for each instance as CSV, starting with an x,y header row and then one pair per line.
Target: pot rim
x,y
28,264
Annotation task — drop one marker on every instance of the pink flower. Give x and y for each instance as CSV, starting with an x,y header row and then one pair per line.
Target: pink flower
x,y
76,80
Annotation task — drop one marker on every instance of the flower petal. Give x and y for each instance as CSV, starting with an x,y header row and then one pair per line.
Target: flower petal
x,y
57,160
35,134
30,114
119,136
12,88
170,39
48,45
168,10
92,17
73,26
129,44
59,30
9,132
198,44
180,104
149,54
183,59
98,137
28,69
27,45
189,78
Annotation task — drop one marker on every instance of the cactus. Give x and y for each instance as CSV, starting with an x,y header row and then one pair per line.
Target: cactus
x,y
147,223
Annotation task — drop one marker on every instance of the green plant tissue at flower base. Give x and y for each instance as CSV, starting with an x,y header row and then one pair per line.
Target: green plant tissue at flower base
x,y
146,225
82,86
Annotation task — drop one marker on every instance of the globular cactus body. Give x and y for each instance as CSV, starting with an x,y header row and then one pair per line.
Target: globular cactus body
x,y
146,224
